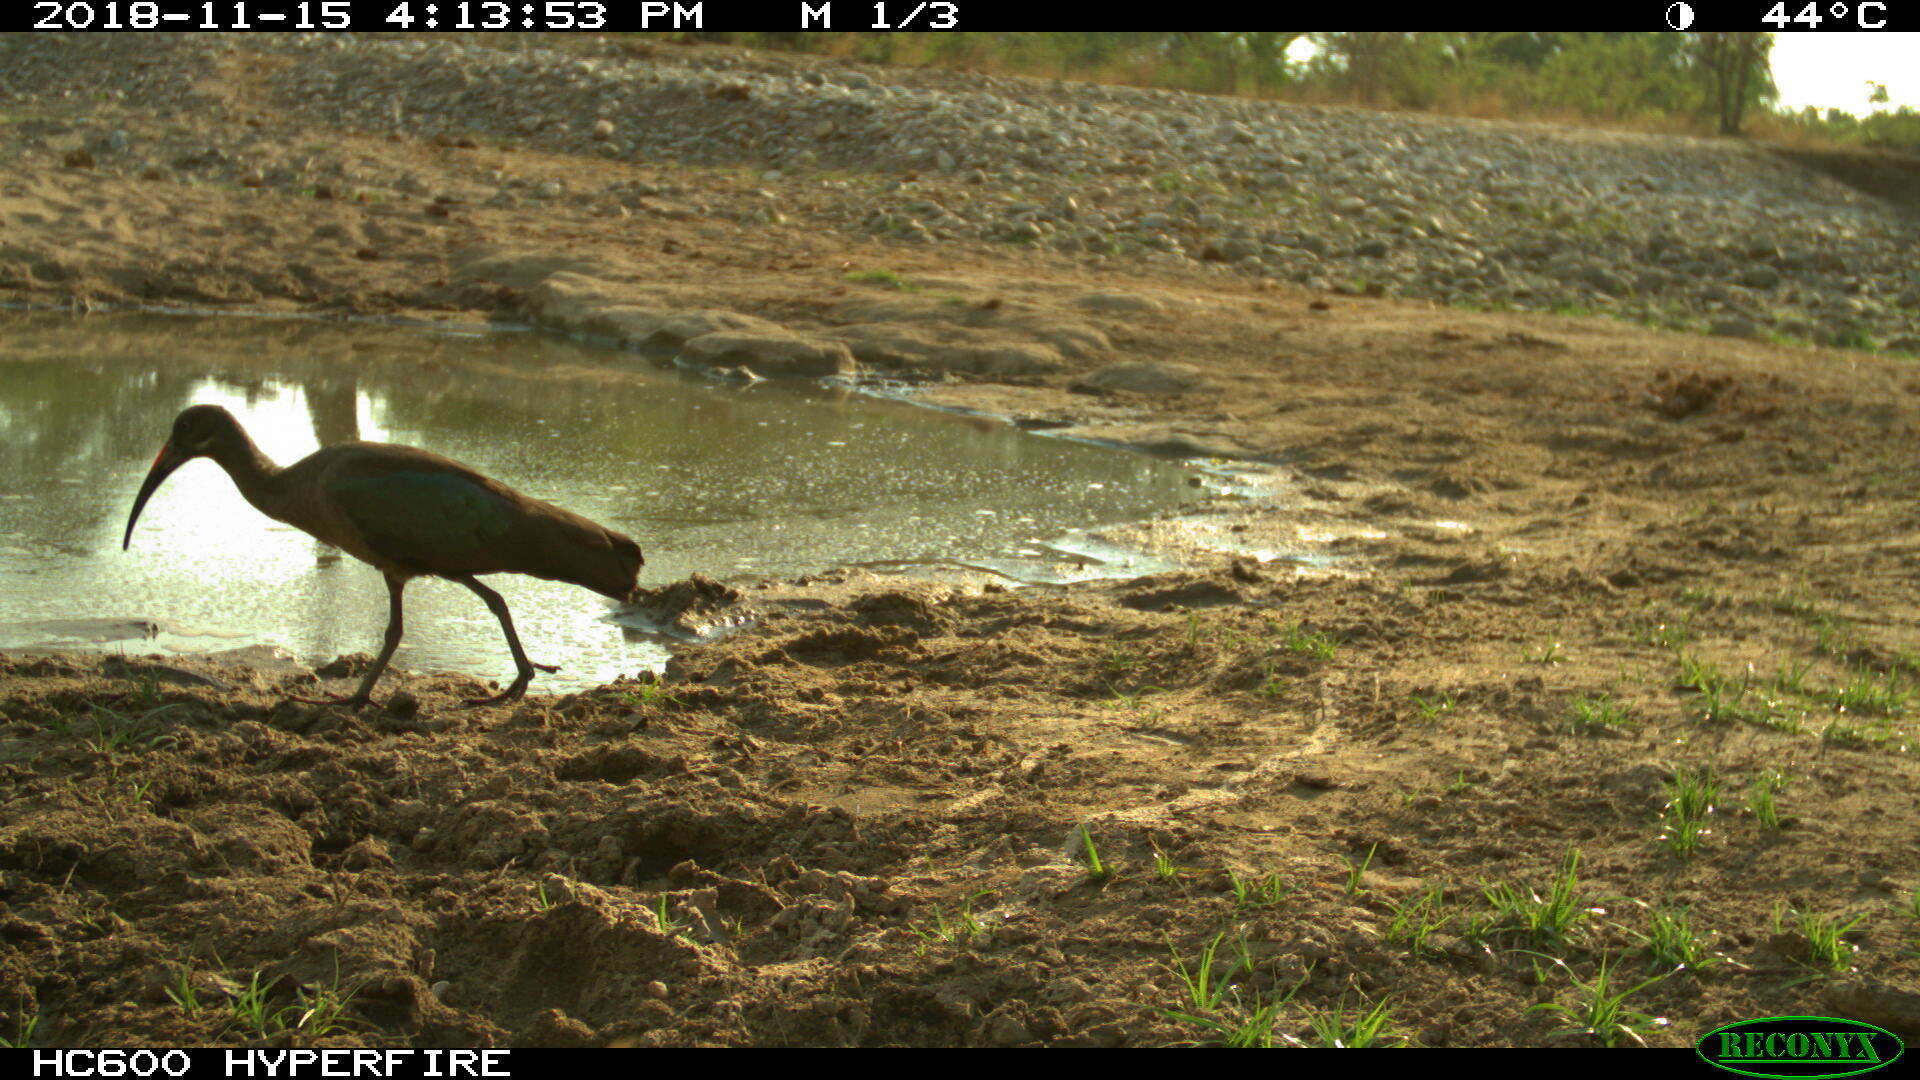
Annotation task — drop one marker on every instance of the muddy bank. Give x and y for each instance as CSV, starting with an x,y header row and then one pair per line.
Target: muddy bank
x,y
872,821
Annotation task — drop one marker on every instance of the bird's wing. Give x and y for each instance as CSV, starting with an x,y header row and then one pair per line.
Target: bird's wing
x,y
432,520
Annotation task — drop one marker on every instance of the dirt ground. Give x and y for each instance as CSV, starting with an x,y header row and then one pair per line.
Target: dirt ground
x,y
1640,605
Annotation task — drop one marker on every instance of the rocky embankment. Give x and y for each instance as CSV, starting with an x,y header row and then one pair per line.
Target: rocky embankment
x,y
1713,235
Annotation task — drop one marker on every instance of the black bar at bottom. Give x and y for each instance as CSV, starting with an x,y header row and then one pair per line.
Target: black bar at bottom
x,y
275,1064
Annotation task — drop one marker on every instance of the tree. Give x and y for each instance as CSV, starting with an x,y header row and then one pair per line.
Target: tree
x,y
1736,64
1369,54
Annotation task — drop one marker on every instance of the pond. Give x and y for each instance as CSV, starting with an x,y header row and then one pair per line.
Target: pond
x,y
724,479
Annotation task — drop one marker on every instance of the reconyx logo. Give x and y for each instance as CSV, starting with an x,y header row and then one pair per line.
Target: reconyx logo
x,y
1800,1047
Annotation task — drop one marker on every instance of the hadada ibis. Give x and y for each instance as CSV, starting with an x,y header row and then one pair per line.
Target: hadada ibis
x,y
408,512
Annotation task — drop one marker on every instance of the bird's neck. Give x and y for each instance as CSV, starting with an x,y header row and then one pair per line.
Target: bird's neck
x,y
253,473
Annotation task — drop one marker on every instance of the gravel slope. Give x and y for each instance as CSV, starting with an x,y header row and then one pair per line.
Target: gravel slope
x,y
1682,232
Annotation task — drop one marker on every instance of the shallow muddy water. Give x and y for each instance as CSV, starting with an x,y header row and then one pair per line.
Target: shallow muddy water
x,y
712,477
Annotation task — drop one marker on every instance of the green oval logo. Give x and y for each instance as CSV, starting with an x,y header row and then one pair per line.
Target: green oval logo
x,y
1799,1047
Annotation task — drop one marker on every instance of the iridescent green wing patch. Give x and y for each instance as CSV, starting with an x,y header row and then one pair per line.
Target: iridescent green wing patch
x,y
423,518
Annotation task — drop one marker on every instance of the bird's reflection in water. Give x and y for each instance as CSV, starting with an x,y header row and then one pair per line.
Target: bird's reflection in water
x,y
334,405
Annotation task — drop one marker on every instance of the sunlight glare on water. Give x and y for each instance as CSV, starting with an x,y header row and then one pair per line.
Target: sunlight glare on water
x,y
709,477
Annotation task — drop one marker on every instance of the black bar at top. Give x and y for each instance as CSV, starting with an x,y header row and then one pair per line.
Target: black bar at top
x,y
880,16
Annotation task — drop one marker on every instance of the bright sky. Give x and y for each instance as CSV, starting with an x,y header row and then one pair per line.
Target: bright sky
x,y
1830,71
1826,71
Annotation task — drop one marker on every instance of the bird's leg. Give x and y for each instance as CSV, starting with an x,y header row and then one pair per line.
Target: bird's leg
x,y
523,667
364,695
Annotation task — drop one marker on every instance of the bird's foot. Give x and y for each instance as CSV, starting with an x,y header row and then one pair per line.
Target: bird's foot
x,y
517,689
514,692
352,701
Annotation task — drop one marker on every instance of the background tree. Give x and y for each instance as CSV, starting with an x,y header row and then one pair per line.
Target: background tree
x,y
1736,65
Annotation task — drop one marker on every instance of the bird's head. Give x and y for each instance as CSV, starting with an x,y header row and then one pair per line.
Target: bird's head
x,y
202,430
199,431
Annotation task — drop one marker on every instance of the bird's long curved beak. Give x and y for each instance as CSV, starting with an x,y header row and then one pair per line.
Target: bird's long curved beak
x,y
167,460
